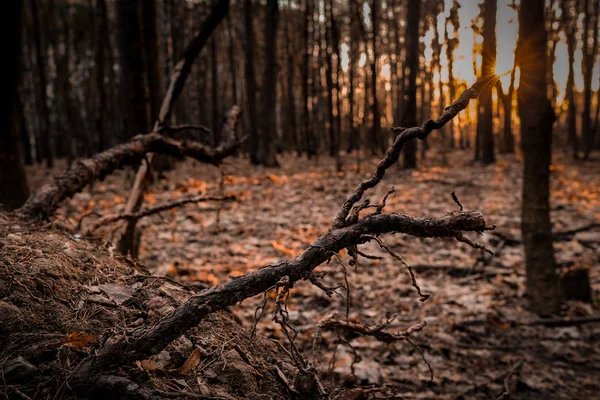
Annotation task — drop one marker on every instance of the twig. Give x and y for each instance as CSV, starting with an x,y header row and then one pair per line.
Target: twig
x,y
158,209
413,278
455,198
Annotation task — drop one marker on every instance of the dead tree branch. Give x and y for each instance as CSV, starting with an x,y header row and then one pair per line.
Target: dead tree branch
x,y
144,342
405,135
43,203
108,219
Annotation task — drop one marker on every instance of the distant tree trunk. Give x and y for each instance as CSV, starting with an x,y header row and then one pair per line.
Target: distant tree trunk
x,y
537,117
152,48
214,75
412,63
292,138
250,79
13,182
132,89
335,42
268,150
353,142
451,44
569,28
99,36
507,99
590,50
329,78
44,118
485,126
376,130
306,68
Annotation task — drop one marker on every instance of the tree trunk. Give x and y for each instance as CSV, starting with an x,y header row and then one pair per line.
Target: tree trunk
x,y
152,48
590,34
376,130
292,142
100,34
13,182
214,85
44,117
412,63
306,69
537,117
250,80
485,126
133,93
268,150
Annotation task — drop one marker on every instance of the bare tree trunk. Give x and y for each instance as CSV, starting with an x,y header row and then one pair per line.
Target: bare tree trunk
x,y
250,80
41,71
153,52
507,99
329,78
537,118
214,75
412,63
99,35
133,79
485,126
306,68
13,182
590,34
292,139
376,130
268,153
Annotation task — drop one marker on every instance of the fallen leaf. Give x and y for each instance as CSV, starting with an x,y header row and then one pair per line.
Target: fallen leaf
x,y
149,365
191,363
79,340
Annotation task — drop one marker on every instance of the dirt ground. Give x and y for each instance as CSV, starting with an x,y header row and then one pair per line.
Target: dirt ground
x,y
479,332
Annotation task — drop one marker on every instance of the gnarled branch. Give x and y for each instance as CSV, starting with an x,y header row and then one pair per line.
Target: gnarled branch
x,y
406,135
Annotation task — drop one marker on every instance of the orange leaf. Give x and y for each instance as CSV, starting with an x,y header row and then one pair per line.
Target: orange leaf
x,y
78,340
191,363
282,248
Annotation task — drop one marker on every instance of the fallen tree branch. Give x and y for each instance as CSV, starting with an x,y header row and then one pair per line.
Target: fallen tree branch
x,y
405,135
144,342
157,209
43,203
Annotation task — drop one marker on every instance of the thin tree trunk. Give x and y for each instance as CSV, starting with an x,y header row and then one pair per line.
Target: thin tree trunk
x,y
250,80
100,34
412,63
590,34
376,130
306,69
214,75
485,126
291,100
44,118
268,155
153,52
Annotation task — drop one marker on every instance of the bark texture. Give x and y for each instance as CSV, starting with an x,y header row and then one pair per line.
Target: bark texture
x,y
537,117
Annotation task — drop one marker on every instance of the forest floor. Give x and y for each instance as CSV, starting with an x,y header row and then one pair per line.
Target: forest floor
x,y
478,332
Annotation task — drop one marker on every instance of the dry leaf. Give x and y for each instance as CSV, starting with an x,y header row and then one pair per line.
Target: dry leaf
x,y
78,340
149,365
278,246
191,363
